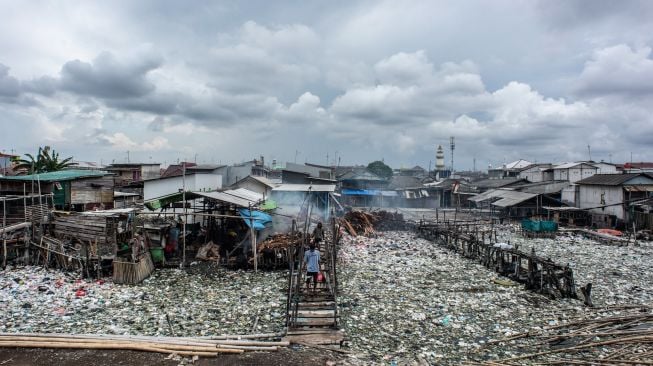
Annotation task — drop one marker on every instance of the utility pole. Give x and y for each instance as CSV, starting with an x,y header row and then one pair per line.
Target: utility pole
x,y
452,143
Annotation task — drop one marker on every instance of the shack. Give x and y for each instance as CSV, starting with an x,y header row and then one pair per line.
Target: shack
x,y
72,190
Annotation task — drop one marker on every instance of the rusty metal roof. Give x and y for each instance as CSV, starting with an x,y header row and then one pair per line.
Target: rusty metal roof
x,y
611,179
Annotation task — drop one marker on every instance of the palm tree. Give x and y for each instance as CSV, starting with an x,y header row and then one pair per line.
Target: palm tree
x,y
44,162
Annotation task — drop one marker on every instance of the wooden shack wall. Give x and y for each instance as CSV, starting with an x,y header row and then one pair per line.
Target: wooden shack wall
x,y
97,190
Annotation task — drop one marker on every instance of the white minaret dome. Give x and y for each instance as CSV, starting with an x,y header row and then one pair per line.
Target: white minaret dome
x,y
439,158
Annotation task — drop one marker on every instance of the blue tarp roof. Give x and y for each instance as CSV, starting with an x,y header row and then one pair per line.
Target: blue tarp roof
x,y
259,218
368,192
360,192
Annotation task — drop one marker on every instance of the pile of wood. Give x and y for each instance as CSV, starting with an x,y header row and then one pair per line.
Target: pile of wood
x,y
614,340
386,220
279,241
199,346
275,251
368,223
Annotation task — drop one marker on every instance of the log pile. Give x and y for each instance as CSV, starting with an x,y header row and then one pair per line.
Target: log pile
x,y
168,345
368,223
274,252
614,340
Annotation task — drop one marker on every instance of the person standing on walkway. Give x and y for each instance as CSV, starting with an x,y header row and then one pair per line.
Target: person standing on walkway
x,y
312,264
318,235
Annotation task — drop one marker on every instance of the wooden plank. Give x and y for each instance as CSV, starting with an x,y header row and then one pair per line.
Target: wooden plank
x,y
315,313
314,321
333,338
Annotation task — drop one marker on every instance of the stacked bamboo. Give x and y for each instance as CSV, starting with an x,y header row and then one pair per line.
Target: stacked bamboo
x,y
614,340
133,273
358,223
367,223
169,345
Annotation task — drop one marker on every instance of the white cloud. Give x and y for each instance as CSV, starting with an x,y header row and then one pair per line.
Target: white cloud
x,y
617,70
120,141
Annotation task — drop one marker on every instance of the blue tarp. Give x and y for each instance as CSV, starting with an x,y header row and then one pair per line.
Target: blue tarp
x,y
259,218
360,192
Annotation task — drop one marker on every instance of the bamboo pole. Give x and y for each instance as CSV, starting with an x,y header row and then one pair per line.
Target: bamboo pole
x,y
206,339
113,346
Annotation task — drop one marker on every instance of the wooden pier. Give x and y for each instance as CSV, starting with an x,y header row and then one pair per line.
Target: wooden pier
x,y
539,274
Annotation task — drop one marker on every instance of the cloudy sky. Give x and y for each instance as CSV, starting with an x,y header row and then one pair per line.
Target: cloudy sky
x,y
227,81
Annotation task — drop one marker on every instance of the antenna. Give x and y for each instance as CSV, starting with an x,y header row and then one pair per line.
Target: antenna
x,y
474,165
589,152
452,143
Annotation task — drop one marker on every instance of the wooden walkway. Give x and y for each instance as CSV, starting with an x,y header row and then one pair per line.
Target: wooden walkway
x,y
312,316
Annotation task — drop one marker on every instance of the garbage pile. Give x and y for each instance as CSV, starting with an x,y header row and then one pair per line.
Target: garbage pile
x,y
404,299
171,302
619,274
368,223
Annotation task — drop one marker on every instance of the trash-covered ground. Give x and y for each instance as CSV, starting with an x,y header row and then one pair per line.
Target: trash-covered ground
x,y
170,302
405,299
619,274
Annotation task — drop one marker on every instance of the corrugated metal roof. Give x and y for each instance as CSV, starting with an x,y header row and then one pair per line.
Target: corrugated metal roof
x,y
57,176
611,179
512,198
305,188
493,193
571,165
496,183
245,193
224,197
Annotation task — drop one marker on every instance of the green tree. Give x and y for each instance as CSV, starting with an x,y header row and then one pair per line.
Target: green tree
x,y
46,160
379,168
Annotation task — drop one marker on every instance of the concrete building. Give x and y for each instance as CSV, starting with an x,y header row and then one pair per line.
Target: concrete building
x,y
536,173
510,170
127,173
159,187
573,172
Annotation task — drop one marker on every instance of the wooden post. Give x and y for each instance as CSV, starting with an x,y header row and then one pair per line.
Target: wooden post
x,y
253,238
183,260
4,233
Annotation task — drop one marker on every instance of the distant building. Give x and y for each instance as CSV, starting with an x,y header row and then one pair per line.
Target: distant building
x,y
610,195
127,173
637,167
416,171
573,172
510,170
535,173
6,163
159,187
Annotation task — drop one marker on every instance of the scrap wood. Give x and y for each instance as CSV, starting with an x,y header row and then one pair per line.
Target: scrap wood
x,y
643,339
306,344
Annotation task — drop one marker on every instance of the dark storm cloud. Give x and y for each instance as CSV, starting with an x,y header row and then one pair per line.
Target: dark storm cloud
x,y
106,77
44,85
575,13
